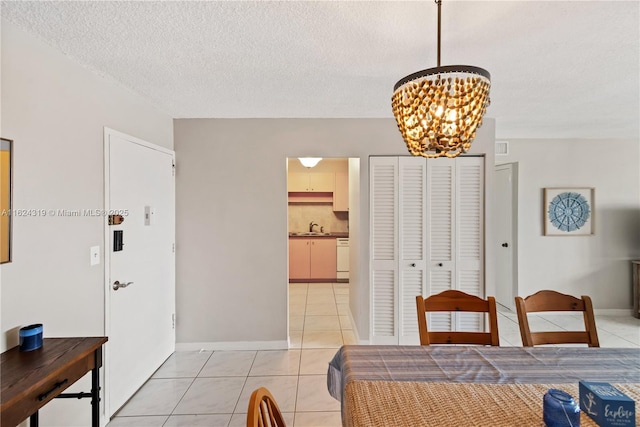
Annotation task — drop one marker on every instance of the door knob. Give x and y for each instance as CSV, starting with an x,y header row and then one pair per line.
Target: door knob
x,y
117,285
505,245
439,264
413,264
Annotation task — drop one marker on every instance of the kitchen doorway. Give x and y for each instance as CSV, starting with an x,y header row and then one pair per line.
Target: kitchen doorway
x,y
319,197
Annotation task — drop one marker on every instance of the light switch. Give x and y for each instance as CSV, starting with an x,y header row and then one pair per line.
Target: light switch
x,y
148,215
95,255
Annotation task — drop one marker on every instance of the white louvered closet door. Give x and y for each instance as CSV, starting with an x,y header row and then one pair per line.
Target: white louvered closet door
x,y
440,224
412,235
383,186
455,235
427,236
469,190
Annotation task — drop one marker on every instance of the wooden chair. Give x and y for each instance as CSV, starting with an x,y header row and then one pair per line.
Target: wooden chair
x,y
263,410
555,301
457,301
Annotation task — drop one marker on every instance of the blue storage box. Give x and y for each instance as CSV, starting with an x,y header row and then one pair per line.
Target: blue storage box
x,y
31,337
607,405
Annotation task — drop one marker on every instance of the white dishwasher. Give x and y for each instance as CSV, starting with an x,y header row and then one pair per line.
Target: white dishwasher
x,y
342,253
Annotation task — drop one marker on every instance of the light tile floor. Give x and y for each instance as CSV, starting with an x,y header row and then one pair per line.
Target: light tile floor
x,y
212,388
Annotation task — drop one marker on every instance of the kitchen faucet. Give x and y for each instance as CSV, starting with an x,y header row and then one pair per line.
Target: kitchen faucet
x,y
311,224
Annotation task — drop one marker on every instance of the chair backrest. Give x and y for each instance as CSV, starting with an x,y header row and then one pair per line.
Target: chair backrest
x,y
263,410
457,301
555,301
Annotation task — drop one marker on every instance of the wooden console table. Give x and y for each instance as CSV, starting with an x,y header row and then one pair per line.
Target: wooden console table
x,y
29,380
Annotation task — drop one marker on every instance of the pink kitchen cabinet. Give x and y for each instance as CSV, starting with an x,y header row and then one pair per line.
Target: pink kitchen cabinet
x,y
299,258
341,193
312,259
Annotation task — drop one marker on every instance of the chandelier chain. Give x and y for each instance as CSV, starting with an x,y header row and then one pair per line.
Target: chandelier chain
x,y
439,3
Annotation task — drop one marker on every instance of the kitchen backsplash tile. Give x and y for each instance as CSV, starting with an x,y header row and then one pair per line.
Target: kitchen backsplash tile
x,y
300,215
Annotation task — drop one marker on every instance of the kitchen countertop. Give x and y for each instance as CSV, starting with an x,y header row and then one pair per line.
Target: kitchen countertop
x,y
328,235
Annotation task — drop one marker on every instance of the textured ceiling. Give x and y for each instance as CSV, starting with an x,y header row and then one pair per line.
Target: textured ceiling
x,y
560,69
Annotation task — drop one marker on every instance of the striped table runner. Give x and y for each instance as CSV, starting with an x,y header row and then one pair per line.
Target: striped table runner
x,y
478,364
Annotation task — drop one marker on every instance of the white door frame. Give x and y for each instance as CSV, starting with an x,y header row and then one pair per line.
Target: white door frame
x,y
108,132
513,240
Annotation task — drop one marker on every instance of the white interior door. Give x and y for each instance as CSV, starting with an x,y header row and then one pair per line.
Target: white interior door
x,y
140,317
506,216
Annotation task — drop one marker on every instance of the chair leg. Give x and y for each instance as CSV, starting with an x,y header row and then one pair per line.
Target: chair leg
x,y
493,321
422,321
590,322
523,322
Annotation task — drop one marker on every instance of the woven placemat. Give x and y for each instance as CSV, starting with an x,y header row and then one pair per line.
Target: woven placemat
x,y
384,403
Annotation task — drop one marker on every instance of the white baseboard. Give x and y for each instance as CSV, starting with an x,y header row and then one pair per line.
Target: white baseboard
x,y
613,311
596,311
233,345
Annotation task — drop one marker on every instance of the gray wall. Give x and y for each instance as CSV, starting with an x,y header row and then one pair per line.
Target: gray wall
x,y
55,111
231,196
596,265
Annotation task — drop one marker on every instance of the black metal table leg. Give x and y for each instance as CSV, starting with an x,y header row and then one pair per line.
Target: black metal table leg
x,y
33,420
95,388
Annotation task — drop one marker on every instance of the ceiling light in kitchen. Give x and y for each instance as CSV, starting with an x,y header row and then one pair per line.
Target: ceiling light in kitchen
x,y
309,162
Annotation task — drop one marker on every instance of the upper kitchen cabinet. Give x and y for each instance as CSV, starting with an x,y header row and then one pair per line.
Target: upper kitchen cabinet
x,y
310,182
341,193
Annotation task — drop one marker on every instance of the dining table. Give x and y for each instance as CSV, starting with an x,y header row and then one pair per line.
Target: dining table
x,y
388,385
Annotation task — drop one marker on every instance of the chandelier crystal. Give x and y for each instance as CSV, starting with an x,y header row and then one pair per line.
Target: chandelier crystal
x,y
438,110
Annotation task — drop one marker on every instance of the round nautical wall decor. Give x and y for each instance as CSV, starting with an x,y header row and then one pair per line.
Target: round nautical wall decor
x,y
568,211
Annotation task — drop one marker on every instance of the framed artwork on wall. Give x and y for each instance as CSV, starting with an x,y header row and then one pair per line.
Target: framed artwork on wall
x,y
6,156
569,211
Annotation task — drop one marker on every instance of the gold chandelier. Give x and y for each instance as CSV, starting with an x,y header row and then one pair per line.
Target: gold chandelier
x,y
439,109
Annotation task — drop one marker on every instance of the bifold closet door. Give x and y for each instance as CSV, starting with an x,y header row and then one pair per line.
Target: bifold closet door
x,y
455,235
411,244
398,190
383,187
427,227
